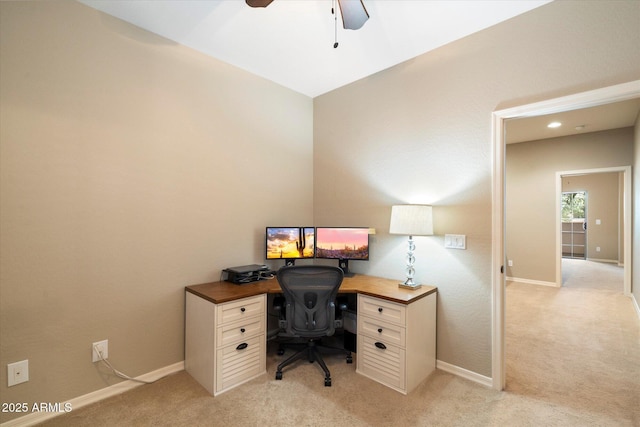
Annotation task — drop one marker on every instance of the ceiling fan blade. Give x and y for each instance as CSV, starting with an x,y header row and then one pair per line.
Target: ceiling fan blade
x,y
353,12
258,3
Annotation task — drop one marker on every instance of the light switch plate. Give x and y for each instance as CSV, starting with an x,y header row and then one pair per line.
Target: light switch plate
x,y
455,241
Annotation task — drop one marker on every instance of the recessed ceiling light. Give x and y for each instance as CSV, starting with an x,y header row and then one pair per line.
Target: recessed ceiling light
x,y
553,125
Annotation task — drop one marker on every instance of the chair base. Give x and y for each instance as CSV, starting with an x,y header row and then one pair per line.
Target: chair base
x,y
311,352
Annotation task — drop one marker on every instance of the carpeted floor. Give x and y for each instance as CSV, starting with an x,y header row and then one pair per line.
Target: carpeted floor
x,y
578,346
583,274
573,359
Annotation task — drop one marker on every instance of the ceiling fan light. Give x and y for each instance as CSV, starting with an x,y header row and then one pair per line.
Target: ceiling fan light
x,y
258,3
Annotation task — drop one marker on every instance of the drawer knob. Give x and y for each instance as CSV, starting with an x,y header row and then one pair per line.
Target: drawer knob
x,y
242,346
381,346
242,330
379,309
379,330
242,309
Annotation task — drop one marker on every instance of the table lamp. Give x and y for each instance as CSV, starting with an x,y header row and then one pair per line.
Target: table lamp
x,y
411,220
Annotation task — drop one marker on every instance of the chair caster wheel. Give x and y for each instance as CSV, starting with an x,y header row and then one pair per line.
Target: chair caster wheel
x,y
278,375
327,382
349,359
280,351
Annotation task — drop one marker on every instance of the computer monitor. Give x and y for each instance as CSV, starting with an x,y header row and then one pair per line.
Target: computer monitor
x,y
289,243
343,244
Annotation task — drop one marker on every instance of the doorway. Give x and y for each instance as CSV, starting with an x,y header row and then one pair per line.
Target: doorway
x,y
625,219
592,98
574,224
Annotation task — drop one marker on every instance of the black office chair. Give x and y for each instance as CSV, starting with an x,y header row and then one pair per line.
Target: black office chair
x,y
310,311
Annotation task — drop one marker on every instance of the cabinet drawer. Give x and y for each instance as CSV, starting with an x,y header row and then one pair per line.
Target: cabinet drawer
x,y
240,309
236,332
386,366
382,310
236,365
389,333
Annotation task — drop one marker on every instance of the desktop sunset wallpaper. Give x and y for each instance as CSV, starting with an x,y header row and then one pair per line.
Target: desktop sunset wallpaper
x,y
342,243
290,242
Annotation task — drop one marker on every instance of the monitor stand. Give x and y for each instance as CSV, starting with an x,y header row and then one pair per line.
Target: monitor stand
x,y
344,265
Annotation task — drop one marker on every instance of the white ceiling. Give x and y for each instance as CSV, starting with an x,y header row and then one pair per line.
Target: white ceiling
x,y
604,117
291,41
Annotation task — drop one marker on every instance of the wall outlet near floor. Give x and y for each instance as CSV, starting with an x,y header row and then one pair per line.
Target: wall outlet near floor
x,y
103,347
510,263
17,372
598,249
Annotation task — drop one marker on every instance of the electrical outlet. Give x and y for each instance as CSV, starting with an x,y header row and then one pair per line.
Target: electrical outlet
x,y
103,347
17,372
510,263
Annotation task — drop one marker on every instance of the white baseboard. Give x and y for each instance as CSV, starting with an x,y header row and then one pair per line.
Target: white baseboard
x,y
532,282
608,261
464,373
96,396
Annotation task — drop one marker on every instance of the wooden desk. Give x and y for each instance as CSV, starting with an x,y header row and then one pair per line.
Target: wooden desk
x,y
225,332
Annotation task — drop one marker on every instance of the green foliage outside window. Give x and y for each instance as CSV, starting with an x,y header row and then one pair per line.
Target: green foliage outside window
x,y
573,206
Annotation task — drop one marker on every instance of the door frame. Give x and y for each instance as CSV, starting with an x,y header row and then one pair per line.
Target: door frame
x,y
562,243
626,220
592,98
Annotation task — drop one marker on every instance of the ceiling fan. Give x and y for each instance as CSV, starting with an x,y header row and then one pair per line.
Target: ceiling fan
x,y
353,13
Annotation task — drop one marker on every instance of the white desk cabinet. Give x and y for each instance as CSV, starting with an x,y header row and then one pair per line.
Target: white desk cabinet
x,y
225,338
225,344
396,342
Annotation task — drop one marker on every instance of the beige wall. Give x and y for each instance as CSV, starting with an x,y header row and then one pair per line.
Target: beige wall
x,y
420,132
531,182
604,205
130,167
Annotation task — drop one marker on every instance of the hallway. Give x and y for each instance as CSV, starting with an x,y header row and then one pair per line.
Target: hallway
x,y
585,274
577,346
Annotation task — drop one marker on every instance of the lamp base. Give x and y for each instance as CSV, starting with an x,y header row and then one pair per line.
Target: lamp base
x,y
412,287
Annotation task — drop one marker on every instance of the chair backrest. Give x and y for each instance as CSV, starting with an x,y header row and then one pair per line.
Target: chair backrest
x,y
310,292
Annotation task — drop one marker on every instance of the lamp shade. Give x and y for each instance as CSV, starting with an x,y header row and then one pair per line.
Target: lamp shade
x,y
411,220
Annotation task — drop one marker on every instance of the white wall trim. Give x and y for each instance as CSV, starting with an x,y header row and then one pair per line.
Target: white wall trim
x,y
587,99
464,373
635,305
96,396
533,282
626,218
607,261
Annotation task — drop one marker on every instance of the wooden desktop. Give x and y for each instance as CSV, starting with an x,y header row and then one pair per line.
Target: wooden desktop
x,y
225,331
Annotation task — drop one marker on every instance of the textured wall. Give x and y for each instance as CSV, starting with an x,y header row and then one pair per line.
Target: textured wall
x,y
531,217
420,132
128,170
604,207
130,167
